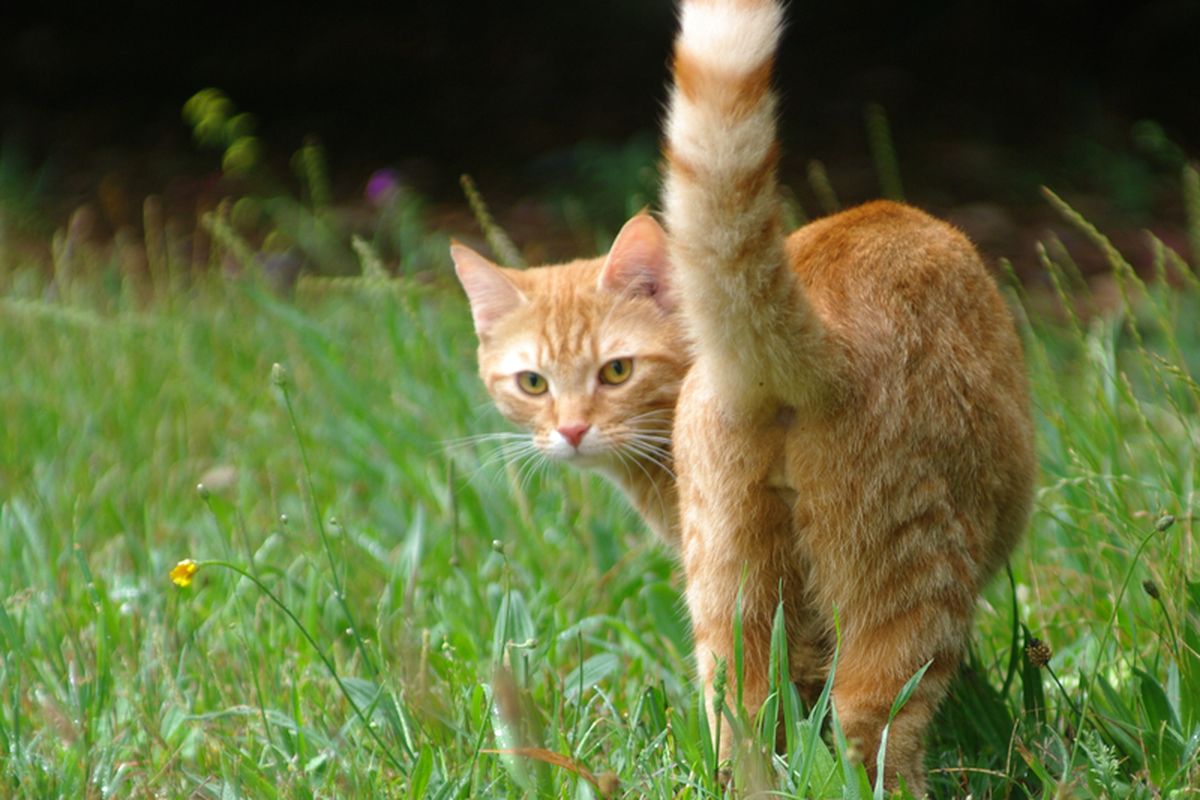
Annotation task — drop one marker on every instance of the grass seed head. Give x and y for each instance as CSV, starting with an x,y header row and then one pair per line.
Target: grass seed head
x,y
720,683
1038,653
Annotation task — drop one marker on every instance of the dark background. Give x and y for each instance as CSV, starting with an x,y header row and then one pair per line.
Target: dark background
x,y
986,100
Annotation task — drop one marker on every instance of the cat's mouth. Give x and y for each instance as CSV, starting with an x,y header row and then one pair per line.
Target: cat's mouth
x,y
586,453
599,450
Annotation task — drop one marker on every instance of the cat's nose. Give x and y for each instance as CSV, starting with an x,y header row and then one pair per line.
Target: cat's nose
x,y
574,433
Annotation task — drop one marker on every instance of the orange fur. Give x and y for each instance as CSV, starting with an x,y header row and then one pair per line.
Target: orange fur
x,y
850,414
855,430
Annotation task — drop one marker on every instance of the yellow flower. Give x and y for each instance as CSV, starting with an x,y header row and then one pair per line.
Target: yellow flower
x,y
183,572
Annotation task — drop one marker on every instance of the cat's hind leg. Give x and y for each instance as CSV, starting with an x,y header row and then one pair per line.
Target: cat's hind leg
x,y
887,638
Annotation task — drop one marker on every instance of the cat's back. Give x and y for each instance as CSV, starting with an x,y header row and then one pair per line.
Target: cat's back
x,y
891,281
933,370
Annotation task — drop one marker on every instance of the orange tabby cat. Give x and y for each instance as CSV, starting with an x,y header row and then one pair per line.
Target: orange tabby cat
x,y
854,432
855,428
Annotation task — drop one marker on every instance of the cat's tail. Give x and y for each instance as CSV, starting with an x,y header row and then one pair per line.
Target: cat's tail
x,y
754,333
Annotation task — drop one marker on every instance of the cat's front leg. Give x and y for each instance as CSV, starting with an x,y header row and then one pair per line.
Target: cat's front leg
x,y
712,594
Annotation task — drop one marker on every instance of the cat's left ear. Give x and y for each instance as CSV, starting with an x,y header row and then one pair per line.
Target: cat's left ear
x,y
491,294
638,262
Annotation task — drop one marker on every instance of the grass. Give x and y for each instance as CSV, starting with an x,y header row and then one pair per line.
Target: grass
x,y
399,615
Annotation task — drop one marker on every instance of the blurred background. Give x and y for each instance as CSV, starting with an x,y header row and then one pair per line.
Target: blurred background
x,y
554,107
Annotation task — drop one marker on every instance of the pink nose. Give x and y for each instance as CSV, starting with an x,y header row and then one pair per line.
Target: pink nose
x,y
574,433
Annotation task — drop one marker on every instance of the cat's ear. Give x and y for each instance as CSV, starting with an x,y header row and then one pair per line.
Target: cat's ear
x,y
638,263
491,294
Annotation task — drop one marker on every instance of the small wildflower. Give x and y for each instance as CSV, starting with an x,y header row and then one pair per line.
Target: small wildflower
x,y
1038,652
1164,522
278,374
1151,588
382,187
183,572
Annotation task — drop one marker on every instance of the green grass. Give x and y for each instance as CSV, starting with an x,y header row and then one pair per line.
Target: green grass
x,y
468,607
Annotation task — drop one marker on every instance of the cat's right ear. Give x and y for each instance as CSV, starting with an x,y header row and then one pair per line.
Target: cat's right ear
x,y
491,294
638,262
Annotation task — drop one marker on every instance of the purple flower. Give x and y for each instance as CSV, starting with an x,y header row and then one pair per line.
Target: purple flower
x,y
382,186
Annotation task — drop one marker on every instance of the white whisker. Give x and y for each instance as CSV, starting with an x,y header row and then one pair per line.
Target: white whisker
x,y
466,442
652,414
653,483
651,452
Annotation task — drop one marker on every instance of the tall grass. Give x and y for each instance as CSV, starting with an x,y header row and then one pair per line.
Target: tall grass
x,y
479,630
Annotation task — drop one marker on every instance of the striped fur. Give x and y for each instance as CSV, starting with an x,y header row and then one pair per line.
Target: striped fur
x,y
740,299
847,405
854,432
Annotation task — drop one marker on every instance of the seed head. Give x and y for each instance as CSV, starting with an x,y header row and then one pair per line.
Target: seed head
x,y
1038,652
609,784
279,375
202,490
1151,588
720,683
1164,522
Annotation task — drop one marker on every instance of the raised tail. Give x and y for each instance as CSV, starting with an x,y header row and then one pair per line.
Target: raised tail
x,y
755,335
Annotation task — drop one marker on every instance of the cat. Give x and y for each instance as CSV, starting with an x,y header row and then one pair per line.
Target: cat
x,y
835,419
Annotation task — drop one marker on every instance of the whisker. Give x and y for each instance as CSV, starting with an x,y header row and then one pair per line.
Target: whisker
x,y
654,458
529,469
657,491
489,436
648,451
652,414
511,452
466,442
650,437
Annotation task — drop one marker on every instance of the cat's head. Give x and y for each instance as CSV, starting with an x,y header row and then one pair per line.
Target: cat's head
x,y
586,356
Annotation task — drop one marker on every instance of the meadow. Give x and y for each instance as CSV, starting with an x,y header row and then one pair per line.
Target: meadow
x,y
379,605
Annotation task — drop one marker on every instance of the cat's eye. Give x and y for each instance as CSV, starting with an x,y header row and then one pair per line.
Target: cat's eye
x,y
616,371
532,383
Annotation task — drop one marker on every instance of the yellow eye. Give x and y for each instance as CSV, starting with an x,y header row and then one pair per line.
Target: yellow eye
x,y
616,371
532,383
